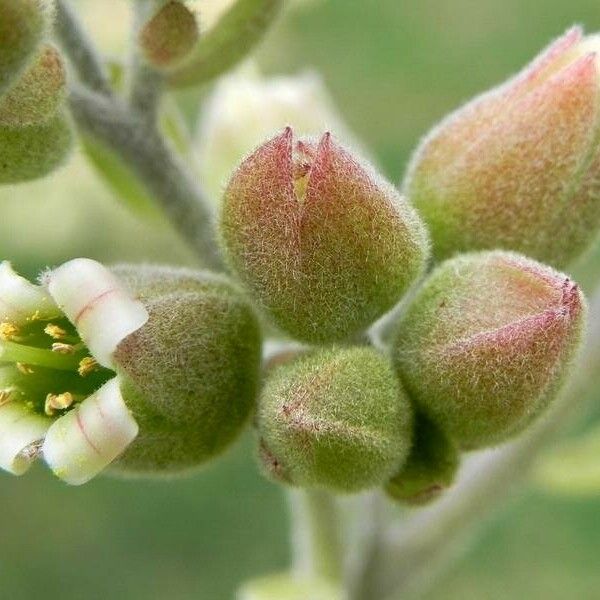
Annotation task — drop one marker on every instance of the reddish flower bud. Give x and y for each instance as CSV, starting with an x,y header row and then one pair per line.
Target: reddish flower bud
x,y
518,168
323,243
486,344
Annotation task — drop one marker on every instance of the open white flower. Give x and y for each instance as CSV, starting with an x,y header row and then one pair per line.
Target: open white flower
x,y
59,395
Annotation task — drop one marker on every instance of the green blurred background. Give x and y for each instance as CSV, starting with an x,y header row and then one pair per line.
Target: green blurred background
x,y
394,68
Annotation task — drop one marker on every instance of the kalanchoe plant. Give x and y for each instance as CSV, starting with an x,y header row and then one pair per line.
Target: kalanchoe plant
x,y
322,242
92,360
525,152
486,344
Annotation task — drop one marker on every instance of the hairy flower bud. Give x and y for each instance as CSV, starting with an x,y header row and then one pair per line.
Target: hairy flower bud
x,y
486,344
94,370
518,168
191,373
334,419
430,468
169,36
34,151
37,95
22,25
323,244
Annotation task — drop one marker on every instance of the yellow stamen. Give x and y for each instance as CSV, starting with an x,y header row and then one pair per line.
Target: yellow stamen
x,y
8,331
54,331
5,396
56,402
87,365
35,316
25,369
63,348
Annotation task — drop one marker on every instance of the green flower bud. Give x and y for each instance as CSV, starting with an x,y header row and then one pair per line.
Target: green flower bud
x,y
169,36
158,376
336,418
430,468
487,342
34,151
322,243
518,168
37,95
190,375
22,26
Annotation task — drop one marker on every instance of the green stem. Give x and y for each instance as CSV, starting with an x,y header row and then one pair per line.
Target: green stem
x,y
18,353
228,42
316,535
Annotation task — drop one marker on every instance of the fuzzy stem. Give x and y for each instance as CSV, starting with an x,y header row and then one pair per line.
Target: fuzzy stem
x,y
316,535
148,155
411,554
228,42
86,61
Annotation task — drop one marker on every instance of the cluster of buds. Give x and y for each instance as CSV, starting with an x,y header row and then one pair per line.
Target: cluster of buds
x,y
151,369
35,133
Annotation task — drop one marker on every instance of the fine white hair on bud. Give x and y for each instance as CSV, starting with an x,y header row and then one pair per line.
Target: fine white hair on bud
x,y
94,300
87,439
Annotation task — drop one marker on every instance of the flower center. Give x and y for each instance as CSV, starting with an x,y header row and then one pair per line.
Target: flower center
x,y
303,158
45,366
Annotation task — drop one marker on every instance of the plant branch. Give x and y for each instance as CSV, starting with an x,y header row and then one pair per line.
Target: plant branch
x,y
411,553
74,40
148,155
228,42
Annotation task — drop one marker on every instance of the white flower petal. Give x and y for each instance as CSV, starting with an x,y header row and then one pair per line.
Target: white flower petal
x,y
19,428
87,439
96,302
20,299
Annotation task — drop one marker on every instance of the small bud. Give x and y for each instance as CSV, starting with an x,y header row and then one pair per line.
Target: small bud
x,y
37,95
169,36
22,26
335,419
518,168
430,468
323,244
486,344
244,109
32,152
160,384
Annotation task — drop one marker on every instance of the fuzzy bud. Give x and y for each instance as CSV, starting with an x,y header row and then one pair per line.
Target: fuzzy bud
x,y
486,344
334,419
34,151
37,95
22,26
518,168
169,36
190,375
430,468
321,241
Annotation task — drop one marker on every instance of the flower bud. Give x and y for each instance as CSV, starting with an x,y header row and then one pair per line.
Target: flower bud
x,y
244,109
37,95
323,244
34,151
22,26
169,36
486,344
336,419
430,468
518,168
92,373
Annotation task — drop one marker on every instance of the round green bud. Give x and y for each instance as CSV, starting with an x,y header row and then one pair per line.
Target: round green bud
x,y
336,418
190,374
34,151
430,468
37,95
320,240
169,36
22,26
486,344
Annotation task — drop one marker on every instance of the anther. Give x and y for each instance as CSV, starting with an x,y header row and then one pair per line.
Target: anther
x,y
56,402
61,348
54,331
5,396
8,331
23,368
87,365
